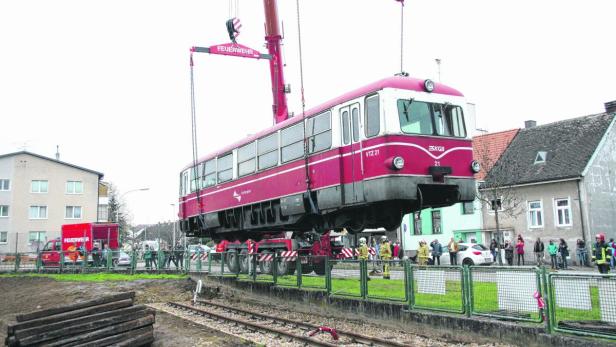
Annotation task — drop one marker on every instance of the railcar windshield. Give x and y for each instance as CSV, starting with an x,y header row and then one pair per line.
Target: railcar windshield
x,y
426,118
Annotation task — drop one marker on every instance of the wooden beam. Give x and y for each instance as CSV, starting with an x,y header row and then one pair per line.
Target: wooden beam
x,y
115,340
55,310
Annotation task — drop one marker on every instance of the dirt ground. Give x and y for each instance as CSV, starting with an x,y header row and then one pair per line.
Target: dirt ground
x,y
25,294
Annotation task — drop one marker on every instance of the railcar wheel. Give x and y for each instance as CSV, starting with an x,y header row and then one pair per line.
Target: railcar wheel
x,y
306,269
233,261
319,267
265,267
285,267
244,262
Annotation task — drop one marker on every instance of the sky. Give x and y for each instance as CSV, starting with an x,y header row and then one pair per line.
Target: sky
x,y
109,81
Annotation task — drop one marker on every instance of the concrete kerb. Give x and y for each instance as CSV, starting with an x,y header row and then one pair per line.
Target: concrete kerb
x,y
521,334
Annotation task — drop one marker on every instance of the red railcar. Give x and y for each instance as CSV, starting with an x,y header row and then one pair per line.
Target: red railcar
x,y
362,160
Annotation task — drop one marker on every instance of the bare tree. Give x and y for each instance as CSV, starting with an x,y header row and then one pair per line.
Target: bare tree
x,y
496,190
118,212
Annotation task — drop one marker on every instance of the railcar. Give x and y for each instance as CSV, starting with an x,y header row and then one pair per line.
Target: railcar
x,y
361,160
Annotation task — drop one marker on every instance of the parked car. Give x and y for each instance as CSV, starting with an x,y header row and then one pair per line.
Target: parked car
x,y
474,254
123,259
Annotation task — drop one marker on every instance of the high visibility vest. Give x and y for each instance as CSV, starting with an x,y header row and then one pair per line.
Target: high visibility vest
x,y
363,252
601,253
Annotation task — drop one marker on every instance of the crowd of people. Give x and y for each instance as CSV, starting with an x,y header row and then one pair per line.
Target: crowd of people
x,y
167,256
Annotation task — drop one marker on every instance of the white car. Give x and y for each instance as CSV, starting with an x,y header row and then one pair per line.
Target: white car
x,y
123,260
474,254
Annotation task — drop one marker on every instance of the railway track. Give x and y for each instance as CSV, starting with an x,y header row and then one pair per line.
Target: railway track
x,y
292,329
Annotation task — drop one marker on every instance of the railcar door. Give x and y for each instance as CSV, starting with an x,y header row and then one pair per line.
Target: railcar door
x,y
352,159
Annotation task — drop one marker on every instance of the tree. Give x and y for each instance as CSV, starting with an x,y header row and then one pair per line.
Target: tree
x,y
118,212
496,190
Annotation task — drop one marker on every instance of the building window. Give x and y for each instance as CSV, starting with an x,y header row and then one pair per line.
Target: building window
x,y
73,212
3,237
468,208
39,237
103,213
436,222
541,157
417,223
5,184
495,205
563,212
39,187
38,212
535,214
74,187
4,210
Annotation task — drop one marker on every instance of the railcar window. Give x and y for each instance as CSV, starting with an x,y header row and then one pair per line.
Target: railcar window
x,y
415,117
194,180
456,120
185,183
267,148
292,142
373,119
346,136
440,120
246,159
209,173
355,121
319,132
225,168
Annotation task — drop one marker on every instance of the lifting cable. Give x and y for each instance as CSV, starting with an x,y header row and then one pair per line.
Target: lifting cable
x,y
313,207
401,35
193,115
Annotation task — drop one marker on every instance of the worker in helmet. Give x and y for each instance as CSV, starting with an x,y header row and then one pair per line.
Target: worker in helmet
x,y
385,256
363,251
601,254
423,254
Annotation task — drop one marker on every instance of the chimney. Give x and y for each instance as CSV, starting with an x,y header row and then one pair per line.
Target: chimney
x,y
610,107
57,152
530,124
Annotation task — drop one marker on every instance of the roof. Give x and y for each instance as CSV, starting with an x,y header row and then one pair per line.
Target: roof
x,y
569,145
398,82
100,174
488,148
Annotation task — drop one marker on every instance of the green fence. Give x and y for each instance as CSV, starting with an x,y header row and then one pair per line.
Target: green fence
x,y
583,304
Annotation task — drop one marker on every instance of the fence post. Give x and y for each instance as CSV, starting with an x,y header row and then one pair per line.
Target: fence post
x,y
254,267
363,283
17,261
109,260
468,289
411,287
328,276
38,261
61,267
298,267
84,262
405,267
548,300
199,263
209,262
133,262
275,268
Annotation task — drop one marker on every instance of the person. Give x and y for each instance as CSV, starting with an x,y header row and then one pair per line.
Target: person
x,y
553,251
396,250
154,258
494,249
423,253
519,248
612,246
509,253
385,256
96,256
563,251
452,247
179,254
601,254
147,256
437,251
105,254
539,250
580,252
363,251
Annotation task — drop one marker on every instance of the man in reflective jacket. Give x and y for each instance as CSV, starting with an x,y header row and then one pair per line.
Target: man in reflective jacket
x,y
385,256
601,254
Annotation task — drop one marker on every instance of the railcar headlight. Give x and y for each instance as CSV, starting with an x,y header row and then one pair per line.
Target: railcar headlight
x,y
429,85
398,163
475,166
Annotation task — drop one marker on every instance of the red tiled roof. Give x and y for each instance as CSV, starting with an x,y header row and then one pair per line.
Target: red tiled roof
x,y
489,147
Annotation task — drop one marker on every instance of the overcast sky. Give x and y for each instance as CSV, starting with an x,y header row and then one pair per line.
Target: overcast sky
x,y
108,81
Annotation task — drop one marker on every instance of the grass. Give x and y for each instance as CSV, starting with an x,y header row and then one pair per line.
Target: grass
x,y
100,277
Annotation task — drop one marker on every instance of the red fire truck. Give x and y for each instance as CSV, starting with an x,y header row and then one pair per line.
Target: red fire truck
x,y
78,240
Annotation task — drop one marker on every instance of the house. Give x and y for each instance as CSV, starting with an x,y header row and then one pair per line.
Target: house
x,y
561,178
38,194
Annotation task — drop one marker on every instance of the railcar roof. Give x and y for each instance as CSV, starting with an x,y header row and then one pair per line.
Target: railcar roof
x,y
397,82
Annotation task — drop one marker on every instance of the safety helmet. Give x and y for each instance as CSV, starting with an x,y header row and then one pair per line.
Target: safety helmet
x,y
601,236
383,238
362,240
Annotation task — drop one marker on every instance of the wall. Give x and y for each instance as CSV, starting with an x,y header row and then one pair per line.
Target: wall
x,y
599,188
546,192
28,168
6,171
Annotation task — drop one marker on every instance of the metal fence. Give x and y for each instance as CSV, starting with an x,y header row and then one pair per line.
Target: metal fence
x,y
582,304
